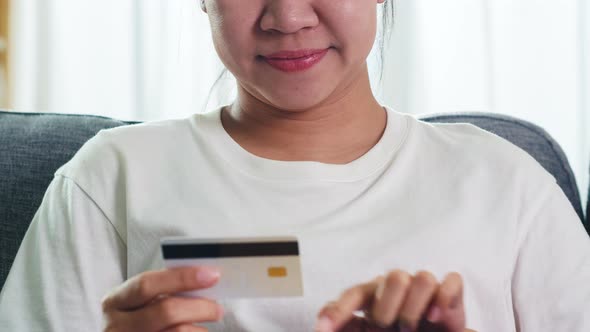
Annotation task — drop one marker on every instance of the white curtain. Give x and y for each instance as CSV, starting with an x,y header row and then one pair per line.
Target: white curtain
x,y
153,59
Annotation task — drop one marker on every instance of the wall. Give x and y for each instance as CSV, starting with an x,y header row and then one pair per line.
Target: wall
x,y
4,42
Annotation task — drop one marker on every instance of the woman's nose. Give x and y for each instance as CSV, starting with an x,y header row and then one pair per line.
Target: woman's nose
x,y
288,16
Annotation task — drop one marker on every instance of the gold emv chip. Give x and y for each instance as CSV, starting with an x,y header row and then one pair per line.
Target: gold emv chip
x,y
277,271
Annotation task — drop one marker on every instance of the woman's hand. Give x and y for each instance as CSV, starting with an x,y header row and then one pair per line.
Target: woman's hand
x,y
398,302
146,302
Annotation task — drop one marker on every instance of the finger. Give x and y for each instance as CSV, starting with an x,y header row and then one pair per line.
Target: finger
x,y
143,288
171,312
336,314
447,306
418,298
185,328
389,297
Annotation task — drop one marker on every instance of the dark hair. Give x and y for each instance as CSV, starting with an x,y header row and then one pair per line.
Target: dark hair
x,y
387,20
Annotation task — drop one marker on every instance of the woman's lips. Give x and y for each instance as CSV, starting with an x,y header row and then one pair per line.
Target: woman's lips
x,y
294,61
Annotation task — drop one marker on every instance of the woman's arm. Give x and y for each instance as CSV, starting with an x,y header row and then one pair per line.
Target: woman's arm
x,y
69,259
551,280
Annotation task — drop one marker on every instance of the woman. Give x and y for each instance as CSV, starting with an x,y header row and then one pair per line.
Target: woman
x,y
422,227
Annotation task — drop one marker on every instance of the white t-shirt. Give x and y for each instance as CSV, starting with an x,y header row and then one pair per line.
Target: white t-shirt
x,y
444,197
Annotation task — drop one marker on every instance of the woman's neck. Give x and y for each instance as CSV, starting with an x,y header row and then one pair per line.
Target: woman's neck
x,y
335,133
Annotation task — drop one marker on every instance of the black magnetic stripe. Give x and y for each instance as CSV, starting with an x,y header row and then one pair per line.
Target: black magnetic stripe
x,y
218,250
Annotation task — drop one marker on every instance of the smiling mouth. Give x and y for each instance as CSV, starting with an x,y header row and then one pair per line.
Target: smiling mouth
x,y
293,55
295,61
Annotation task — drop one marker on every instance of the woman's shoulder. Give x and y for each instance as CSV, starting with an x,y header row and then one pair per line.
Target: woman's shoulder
x,y
473,147
155,133
137,135
112,150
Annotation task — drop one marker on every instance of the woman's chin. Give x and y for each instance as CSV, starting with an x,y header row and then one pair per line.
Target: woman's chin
x,y
296,105
298,100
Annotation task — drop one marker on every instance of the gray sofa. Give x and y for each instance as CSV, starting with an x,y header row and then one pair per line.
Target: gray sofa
x,y
34,145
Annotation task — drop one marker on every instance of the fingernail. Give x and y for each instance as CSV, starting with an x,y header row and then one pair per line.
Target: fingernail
x,y
324,324
207,275
455,302
434,315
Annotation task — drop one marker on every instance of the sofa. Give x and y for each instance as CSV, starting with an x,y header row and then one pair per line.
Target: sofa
x,y
34,145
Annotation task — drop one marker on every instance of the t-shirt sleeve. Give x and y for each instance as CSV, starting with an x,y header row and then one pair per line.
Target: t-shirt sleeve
x,y
70,257
551,280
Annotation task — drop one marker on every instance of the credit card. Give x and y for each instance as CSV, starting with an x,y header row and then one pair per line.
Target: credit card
x,y
250,267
